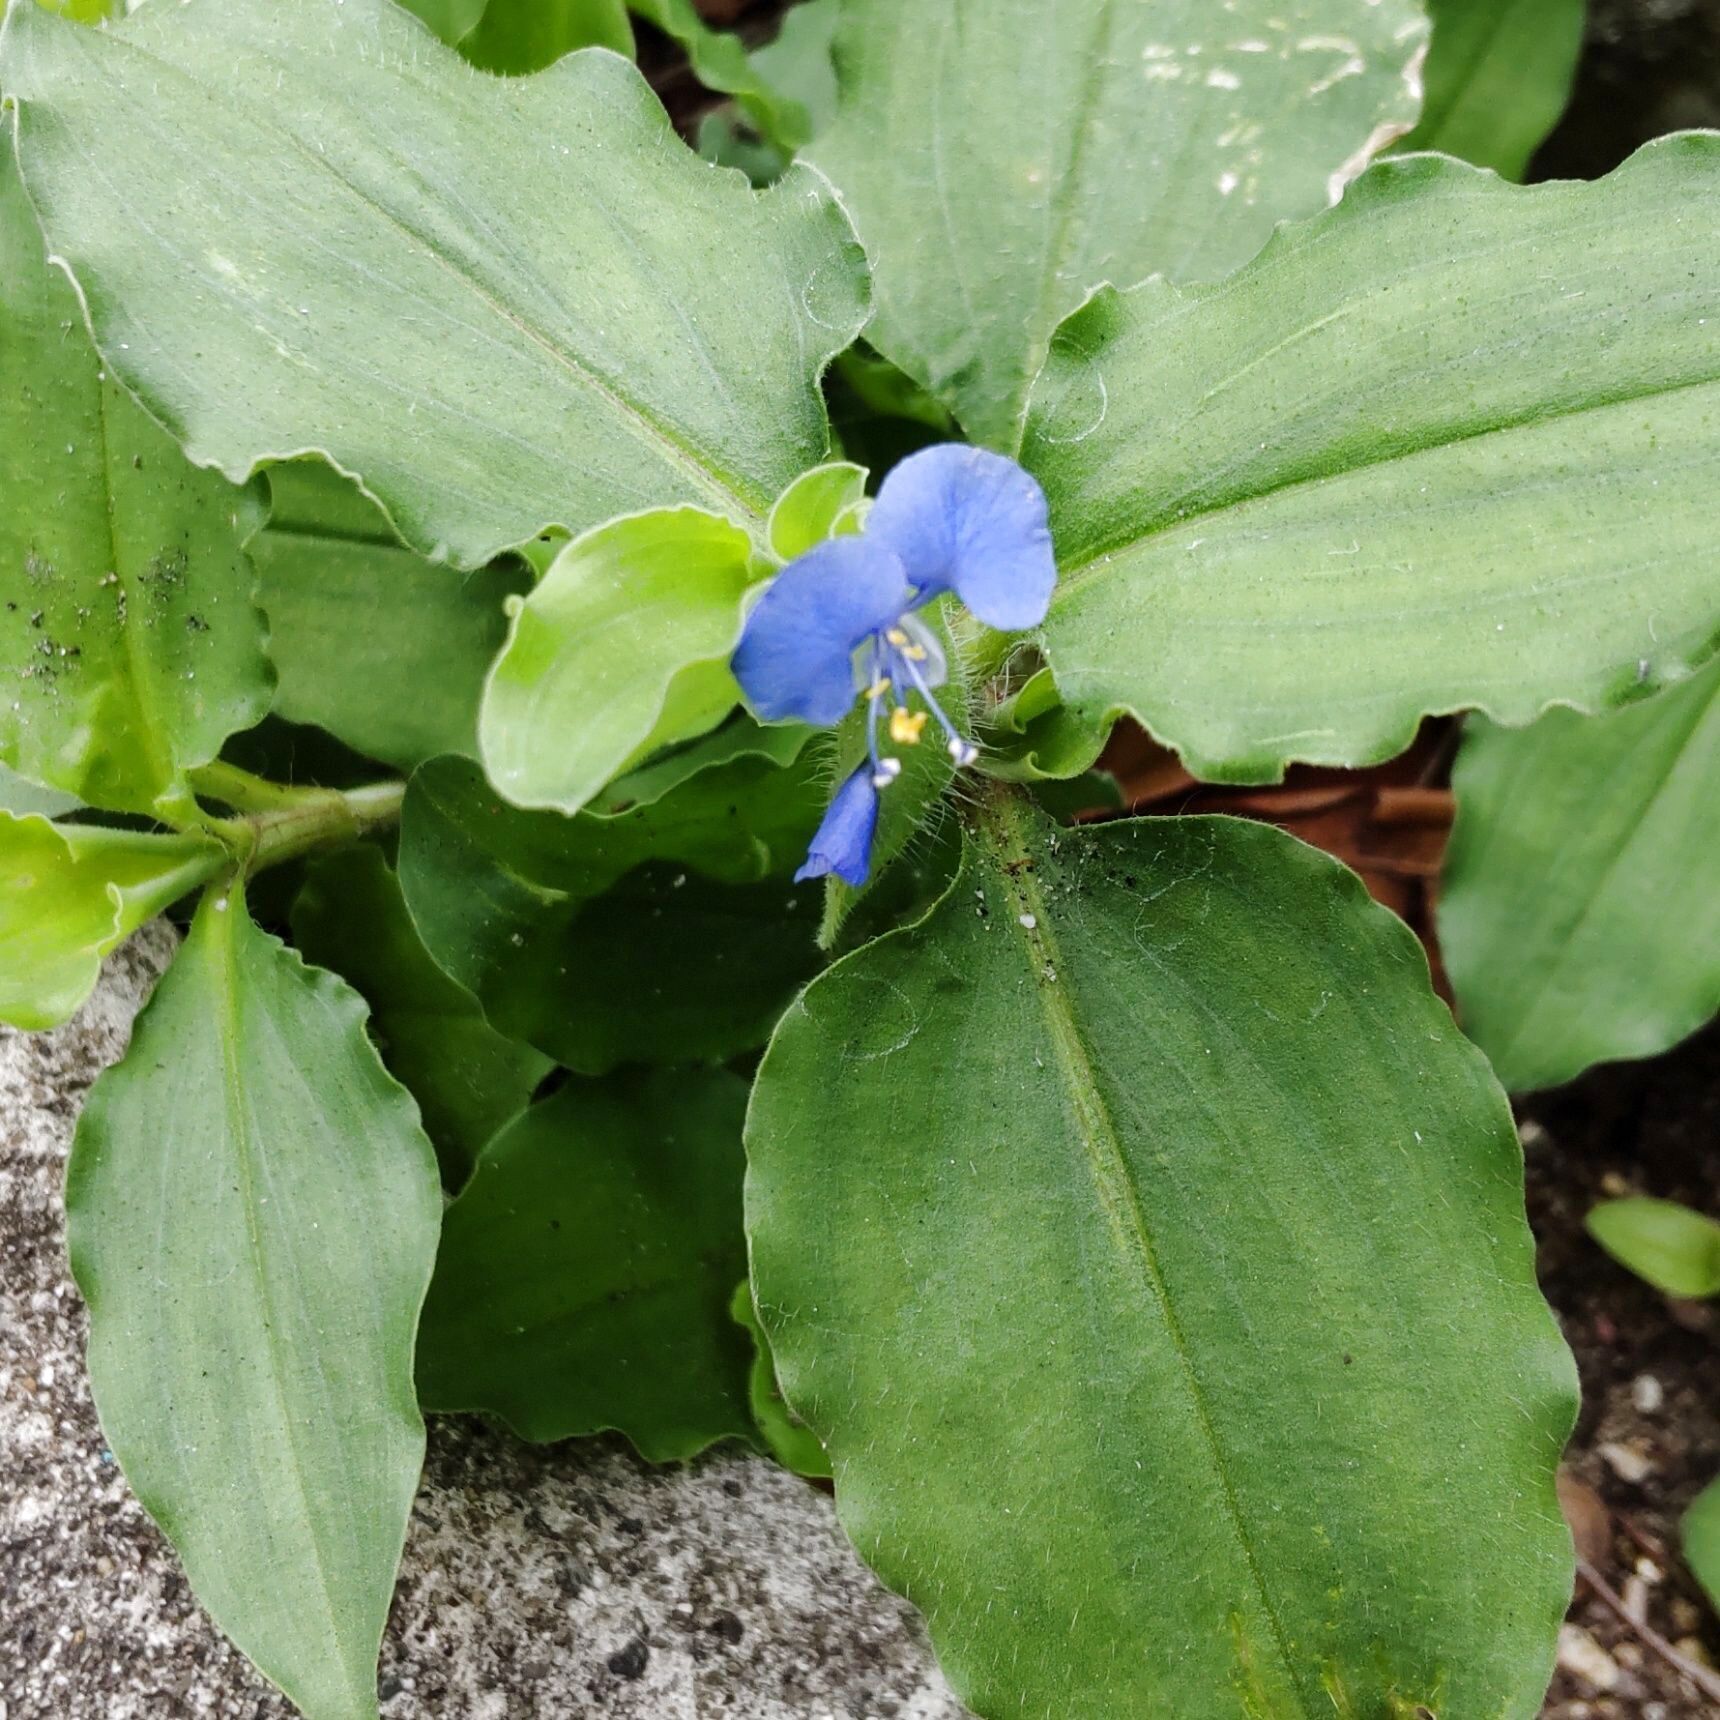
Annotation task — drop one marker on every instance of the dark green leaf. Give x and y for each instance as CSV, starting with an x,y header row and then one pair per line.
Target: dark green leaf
x,y
252,1211
468,1080
570,948
1498,77
1146,1247
517,36
790,1440
385,650
129,644
1003,157
585,1272
1451,444
1580,914
576,317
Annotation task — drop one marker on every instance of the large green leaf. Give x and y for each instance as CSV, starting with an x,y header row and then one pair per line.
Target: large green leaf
x,y
1003,157
69,893
573,940
623,647
1450,444
129,645
516,36
1580,912
501,303
1498,77
585,1272
385,650
1146,1247
253,1211
468,1080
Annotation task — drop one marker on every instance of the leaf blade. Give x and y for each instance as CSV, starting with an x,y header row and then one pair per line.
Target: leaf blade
x,y
267,1407
1110,1220
1429,451
534,400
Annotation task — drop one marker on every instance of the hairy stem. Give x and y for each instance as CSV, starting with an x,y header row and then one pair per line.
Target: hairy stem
x,y
279,822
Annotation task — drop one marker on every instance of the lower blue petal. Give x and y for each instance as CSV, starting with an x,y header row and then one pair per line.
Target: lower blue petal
x,y
843,844
969,521
795,658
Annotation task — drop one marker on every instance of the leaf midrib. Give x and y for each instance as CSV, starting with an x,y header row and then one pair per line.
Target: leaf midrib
x,y
1000,820
229,992
1107,553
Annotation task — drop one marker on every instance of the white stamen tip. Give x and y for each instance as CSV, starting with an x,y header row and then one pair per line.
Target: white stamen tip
x,y
963,752
887,772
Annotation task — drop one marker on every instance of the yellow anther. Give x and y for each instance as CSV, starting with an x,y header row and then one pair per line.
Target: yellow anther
x,y
905,726
915,653
896,636
879,687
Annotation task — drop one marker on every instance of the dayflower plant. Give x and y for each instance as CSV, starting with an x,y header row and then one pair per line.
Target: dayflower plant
x,y
840,622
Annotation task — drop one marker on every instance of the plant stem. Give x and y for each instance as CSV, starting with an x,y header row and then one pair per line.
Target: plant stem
x,y
281,822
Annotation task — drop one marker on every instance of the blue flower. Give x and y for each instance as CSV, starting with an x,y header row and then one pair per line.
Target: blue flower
x,y
838,623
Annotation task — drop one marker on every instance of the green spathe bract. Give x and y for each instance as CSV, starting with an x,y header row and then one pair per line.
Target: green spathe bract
x,y
1144,1321
253,1210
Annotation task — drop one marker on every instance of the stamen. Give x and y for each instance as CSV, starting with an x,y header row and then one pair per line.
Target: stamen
x,y
886,771
896,636
879,687
905,726
962,750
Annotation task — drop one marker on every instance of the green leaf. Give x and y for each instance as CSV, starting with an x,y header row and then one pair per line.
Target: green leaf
x,y
69,893
385,650
468,1080
1498,76
578,319
721,63
1701,1535
574,944
252,1211
819,504
18,795
1450,444
517,36
622,648
129,644
452,20
790,1440
584,1278
1578,915
1146,1247
1003,157
1675,1249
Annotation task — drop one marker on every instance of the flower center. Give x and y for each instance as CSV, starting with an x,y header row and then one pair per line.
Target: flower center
x,y
900,665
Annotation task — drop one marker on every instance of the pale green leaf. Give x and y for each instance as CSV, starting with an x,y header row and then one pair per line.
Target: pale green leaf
x,y
585,1271
623,647
1161,1290
1672,1247
663,933
1450,444
129,644
1701,1534
18,795
1498,76
817,505
69,893
468,1080
385,650
252,1210
1004,157
502,303
1580,910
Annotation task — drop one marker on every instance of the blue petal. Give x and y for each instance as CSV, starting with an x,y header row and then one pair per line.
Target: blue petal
x,y
795,658
843,844
965,520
